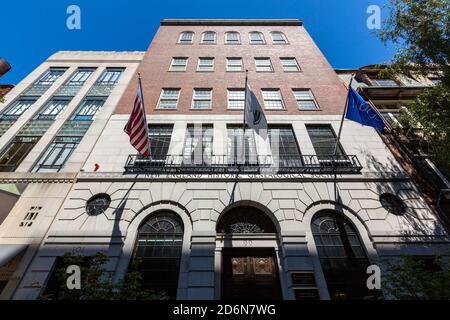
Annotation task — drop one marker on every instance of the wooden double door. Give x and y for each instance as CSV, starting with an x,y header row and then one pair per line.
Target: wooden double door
x,y
250,274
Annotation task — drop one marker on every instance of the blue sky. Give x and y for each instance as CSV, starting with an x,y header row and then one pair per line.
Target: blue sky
x,y
33,30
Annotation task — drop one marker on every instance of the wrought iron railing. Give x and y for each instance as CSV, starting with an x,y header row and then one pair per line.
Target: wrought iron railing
x,y
178,164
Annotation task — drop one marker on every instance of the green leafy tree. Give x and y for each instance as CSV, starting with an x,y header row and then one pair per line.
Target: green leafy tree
x,y
97,282
421,31
415,279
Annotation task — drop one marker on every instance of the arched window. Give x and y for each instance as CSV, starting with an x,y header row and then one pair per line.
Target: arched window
x,y
342,256
245,219
278,38
232,38
186,37
209,37
158,250
257,38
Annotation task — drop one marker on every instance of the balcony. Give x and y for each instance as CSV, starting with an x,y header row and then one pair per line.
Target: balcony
x,y
305,164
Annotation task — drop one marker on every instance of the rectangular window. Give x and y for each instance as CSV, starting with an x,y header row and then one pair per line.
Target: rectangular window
x,y
52,75
198,148
232,38
384,83
81,76
290,64
57,154
324,141
236,99
169,99
179,64
53,109
272,99
263,65
305,99
160,137
110,76
237,153
235,64
16,152
17,109
202,99
205,64
89,109
283,138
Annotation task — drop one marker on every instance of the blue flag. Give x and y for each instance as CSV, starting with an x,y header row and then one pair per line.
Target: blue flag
x,y
359,111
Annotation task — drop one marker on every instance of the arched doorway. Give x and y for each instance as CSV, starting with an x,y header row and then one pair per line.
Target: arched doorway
x,y
158,250
342,256
249,259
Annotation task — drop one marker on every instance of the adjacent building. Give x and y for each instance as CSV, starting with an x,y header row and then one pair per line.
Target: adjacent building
x,y
49,124
217,211
392,95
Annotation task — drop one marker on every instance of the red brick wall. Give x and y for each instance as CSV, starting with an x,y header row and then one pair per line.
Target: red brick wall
x,y
316,74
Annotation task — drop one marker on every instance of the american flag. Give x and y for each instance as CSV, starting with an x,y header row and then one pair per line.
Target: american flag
x,y
137,127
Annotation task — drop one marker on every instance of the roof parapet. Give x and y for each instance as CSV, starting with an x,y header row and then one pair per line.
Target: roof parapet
x,y
231,22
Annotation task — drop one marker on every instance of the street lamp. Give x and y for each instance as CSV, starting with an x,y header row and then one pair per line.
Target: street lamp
x,y
4,66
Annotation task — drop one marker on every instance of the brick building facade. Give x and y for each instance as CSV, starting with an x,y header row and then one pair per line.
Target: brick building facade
x,y
220,229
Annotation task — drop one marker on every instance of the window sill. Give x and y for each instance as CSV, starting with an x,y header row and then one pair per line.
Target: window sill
x,y
197,109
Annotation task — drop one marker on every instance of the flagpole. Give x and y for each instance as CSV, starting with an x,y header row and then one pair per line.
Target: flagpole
x,y
143,103
343,118
244,125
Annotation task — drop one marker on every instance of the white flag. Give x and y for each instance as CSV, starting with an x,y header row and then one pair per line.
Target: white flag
x,y
254,115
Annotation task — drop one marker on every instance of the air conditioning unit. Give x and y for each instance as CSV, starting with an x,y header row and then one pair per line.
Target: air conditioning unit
x,y
4,66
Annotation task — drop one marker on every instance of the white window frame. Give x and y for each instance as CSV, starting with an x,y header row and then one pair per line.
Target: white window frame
x,y
195,98
263,40
263,59
162,97
207,32
297,66
210,67
283,36
232,42
172,65
241,90
181,37
267,100
311,98
229,66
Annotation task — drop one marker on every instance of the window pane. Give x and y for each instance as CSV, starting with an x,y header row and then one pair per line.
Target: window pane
x,y
18,108
237,153
186,37
278,37
169,99
263,64
81,76
15,153
288,151
290,64
110,76
178,64
209,37
236,98
256,38
234,64
305,99
194,151
160,136
52,109
232,37
324,140
206,64
272,99
89,109
52,75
